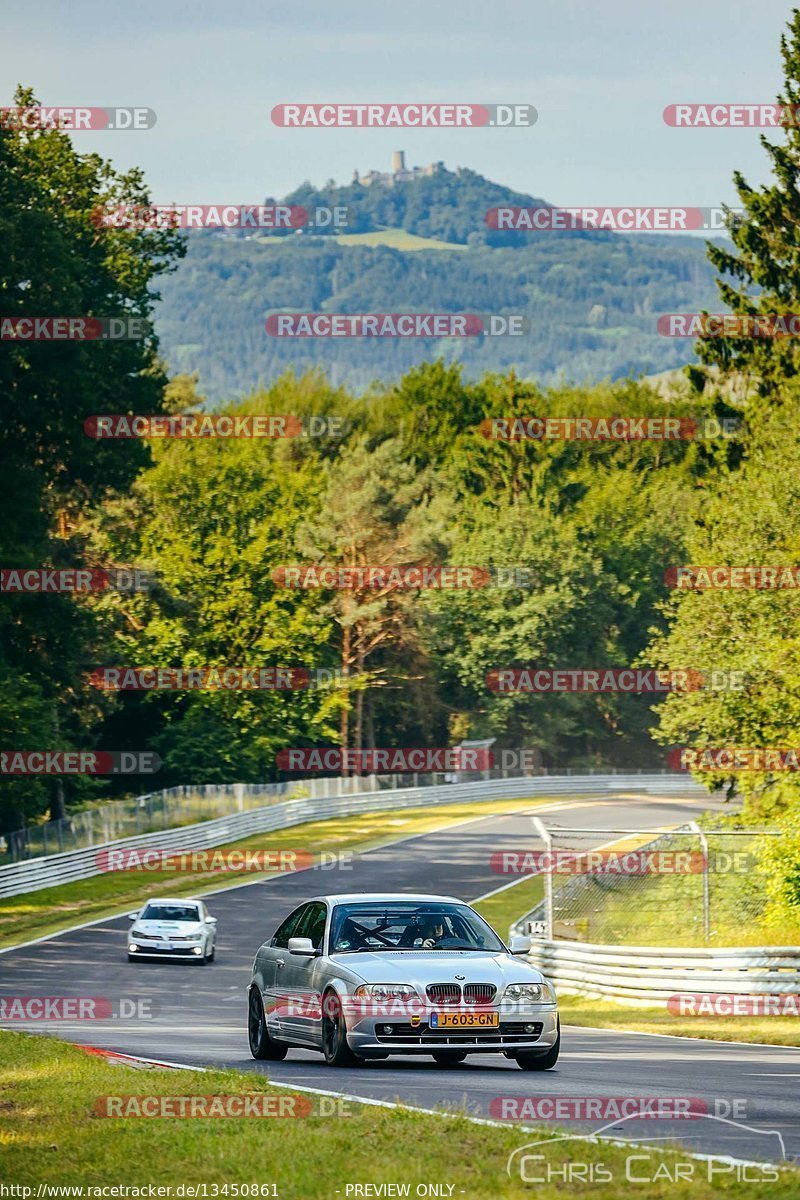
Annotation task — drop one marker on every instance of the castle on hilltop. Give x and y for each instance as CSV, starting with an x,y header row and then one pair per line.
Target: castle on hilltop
x,y
399,173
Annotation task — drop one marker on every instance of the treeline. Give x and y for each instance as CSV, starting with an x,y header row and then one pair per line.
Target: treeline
x,y
587,528
592,306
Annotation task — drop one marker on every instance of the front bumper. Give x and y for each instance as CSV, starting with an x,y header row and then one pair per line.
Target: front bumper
x,y
193,950
397,1035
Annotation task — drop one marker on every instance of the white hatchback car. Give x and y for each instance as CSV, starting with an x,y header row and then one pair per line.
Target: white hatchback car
x,y
172,929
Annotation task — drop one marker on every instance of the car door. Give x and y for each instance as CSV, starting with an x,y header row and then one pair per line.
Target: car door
x,y
300,978
273,964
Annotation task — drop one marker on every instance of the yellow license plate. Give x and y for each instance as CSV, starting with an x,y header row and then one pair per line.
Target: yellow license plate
x,y
464,1020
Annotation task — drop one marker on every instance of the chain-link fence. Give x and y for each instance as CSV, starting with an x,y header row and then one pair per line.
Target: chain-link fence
x,y
689,886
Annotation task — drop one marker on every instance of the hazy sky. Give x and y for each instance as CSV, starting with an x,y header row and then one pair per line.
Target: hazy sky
x,y
599,73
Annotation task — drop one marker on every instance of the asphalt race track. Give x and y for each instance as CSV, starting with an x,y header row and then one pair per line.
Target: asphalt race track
x,y
198,1013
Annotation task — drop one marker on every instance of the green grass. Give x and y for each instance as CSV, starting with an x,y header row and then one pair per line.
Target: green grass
x,y
398,239
606,1014
502,910
36,914
50,1134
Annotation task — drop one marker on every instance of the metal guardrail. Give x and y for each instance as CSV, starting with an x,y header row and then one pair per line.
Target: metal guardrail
x,y
643,975
189,804
34,874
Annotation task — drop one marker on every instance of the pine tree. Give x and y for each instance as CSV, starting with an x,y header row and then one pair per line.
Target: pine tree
x,y
763,269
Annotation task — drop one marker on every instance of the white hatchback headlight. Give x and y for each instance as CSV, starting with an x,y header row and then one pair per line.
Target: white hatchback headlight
x,y
537,993
386,991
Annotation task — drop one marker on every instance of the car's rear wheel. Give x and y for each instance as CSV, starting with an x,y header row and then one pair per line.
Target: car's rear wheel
x,y
449,1058
261,1044
529,1060
334,1033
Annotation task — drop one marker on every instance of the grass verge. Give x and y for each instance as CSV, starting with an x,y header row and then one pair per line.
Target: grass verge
x,y
50,1133
510,904
36,914
605,1014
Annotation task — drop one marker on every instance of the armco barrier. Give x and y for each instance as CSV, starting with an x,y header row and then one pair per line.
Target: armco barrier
x,y
640,975
37,873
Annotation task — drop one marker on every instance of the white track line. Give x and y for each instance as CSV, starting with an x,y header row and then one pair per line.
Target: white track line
x,y
682,1037
453,1116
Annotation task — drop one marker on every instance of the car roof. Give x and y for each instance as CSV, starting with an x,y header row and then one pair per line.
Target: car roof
x,y
389,898
182,900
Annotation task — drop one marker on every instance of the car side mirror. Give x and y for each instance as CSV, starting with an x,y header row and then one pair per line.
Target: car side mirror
x,y
132,916
211,920
302,946
520,943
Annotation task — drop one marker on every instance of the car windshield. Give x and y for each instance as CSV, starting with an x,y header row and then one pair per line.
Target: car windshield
x,y
170,912
407,926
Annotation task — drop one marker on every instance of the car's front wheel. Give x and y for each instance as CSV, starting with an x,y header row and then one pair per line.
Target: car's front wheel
x,y
449,1058
261,1044
334,1033
529,1060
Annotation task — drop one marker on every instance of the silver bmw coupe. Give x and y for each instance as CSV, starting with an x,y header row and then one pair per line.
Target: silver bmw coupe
x,y
369,974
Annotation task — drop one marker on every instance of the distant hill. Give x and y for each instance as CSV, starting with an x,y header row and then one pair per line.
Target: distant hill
x,y
592,298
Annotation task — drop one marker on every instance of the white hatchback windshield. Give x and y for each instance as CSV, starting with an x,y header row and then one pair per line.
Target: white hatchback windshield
x,y
170,912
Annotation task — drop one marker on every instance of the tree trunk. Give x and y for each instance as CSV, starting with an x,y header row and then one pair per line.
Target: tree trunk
x,y
360,706
344,719
57,809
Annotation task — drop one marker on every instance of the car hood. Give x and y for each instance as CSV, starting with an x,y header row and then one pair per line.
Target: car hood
x,y
422,967
166,928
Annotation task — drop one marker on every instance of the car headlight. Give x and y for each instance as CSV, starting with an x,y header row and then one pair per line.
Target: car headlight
x,y
538,993
386,991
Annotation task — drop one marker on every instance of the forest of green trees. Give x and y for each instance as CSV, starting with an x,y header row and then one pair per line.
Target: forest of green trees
x,y
592,299
411,479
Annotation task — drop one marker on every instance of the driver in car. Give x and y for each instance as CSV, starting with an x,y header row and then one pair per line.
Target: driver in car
x,y
431,933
